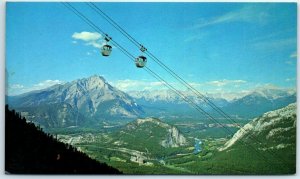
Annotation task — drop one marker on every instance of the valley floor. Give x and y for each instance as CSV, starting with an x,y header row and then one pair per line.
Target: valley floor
x,y
241,160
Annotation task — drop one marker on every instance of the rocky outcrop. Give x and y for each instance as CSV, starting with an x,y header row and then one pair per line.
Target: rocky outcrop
x,y
173,137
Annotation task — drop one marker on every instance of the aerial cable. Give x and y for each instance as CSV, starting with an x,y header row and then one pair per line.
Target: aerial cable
x,y
91,24
80,15
185,98
148,69
190,102
113,23
134,41
170,71
142,48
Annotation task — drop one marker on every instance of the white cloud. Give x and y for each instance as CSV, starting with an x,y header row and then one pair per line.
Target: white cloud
x,y
47,83
90,38
273,35
86,36
133,85
289,62
293,55
275,44
246,14
290,79
220,83
16,86
195,84
16,89
95,44
128,85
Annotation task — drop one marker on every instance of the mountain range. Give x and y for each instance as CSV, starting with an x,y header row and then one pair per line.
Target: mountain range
x,y
89,100
244,105
78,102
258,102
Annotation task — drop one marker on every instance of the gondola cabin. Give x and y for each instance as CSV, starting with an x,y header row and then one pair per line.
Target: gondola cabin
x,y
140,61
106,50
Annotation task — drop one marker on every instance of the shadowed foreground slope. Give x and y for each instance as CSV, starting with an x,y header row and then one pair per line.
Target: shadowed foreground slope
x,y
28,150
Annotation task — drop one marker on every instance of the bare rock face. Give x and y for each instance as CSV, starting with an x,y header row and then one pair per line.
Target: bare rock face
x,y
273,126
71,103
95,95
173,137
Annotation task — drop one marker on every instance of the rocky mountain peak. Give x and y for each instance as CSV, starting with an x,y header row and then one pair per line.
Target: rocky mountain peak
x,y
272,92
92,97
91,83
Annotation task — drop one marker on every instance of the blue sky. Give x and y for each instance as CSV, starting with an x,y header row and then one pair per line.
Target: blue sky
x,y
217,47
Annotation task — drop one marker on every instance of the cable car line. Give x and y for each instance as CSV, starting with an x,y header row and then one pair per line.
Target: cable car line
x,y
170,71
83,17
105,49
135,42
113,23
181,80
197,107
189,101
205,99
148,69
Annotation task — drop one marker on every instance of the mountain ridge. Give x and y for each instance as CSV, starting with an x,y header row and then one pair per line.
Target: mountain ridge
x,y
91,97
270,92
246,106
273,123
88,100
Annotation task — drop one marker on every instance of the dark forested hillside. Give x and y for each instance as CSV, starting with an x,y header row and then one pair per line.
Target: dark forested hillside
x,y
28,150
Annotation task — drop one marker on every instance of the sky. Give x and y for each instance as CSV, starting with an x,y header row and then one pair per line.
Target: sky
x,y
216,47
